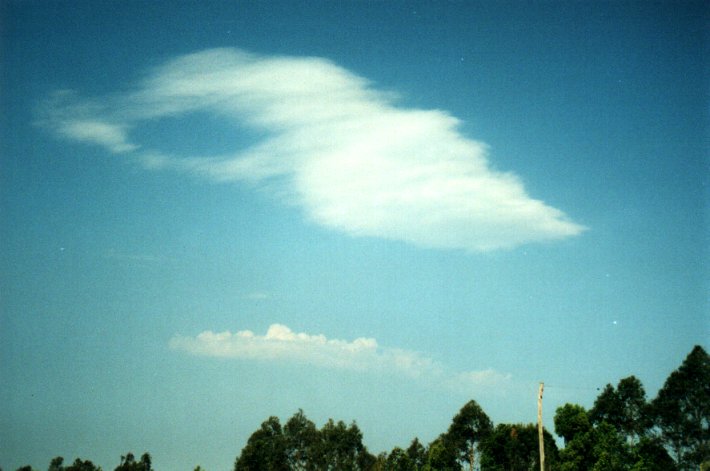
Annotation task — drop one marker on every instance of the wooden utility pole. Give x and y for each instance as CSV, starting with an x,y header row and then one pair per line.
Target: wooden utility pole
x,y
539,427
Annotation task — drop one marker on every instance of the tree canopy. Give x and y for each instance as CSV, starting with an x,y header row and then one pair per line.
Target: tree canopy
x,y
622,431
681,411
301,446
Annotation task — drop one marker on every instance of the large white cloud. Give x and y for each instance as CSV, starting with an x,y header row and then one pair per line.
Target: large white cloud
x,y
333,145
281,344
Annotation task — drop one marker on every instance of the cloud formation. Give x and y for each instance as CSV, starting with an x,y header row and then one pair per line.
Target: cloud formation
x,y
281,344
333,145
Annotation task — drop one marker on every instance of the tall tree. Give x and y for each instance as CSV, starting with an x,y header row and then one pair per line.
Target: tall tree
x,y
601,448
301,441
56,464
570,420
265,450
649,454
341,448
417,453
398,460
515,447
85,465
129,463
442,456
681,410
624,408
467,430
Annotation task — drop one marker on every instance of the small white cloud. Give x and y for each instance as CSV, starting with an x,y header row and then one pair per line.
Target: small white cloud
x,y
281,344
111,136
333,145
487,377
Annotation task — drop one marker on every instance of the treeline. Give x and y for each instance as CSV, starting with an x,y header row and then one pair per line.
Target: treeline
x,y
622,431
299,445
128,463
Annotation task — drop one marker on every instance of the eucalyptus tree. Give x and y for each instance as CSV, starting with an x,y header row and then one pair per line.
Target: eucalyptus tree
x,y
625,408
301,442
129,463
515,447
340,448
468,429
417,453
265,449
681,410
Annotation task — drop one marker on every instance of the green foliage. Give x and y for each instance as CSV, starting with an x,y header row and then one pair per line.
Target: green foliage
x,y
265,449
624,408
515,447
301,446
57,464
650,455
610,450
86,465
571,420
600,448
467,430
129,463
341,448
302,442
682,410
621,432
618,433
416,453
398,460
441,456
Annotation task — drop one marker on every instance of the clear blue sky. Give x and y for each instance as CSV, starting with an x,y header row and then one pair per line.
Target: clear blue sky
x,y
213,212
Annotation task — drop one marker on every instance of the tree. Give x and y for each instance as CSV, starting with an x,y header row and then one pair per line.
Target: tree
x,y
610,450
441,456
398,460
650,455
301,442
417,453
600,448
570,420
681,410
56,464
300,446
515,447
341,448
468,428
87,465
624,408
129,463
265,450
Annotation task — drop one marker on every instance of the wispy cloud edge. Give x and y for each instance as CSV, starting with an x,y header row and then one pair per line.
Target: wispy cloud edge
x,y
342,150
281,344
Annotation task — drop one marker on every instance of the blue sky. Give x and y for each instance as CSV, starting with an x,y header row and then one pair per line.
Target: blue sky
x,y
213,212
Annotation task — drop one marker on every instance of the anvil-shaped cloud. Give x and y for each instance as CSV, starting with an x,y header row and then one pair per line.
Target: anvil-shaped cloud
x,y
333,145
